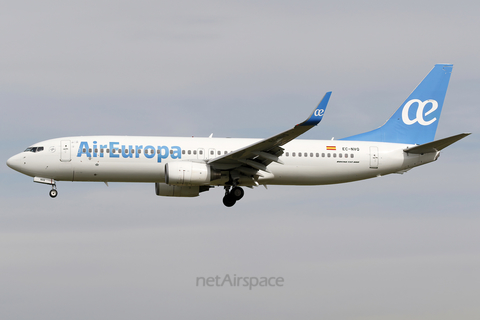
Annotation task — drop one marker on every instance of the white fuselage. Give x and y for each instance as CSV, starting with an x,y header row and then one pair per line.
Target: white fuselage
x,y
143,159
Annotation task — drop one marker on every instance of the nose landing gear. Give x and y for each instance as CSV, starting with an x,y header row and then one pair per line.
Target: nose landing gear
x,y
53,193
232,196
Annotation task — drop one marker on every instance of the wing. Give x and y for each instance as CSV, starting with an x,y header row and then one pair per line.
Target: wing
x,y
248,160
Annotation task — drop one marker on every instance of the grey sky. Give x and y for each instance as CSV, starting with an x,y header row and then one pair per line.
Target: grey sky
x,y
400,246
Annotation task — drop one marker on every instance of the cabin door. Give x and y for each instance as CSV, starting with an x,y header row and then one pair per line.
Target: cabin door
x,y
65,151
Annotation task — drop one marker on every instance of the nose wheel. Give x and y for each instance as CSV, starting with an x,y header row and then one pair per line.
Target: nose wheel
x,y
53,193
232,196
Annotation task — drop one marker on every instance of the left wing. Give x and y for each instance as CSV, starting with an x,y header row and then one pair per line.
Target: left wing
x,y
248,160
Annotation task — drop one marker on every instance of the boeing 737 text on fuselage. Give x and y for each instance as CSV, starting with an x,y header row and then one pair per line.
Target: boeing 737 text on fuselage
x,y
185,167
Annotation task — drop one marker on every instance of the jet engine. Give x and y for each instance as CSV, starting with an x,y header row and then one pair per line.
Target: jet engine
x,y
162,189
187,173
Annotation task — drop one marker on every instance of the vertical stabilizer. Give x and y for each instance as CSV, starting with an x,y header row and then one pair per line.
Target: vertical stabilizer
x,y
416,121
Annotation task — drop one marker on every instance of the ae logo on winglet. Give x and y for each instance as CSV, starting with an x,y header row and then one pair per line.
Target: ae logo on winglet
x,y
319,112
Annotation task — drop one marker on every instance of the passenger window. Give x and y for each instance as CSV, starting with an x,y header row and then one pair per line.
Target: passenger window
x,y
311,155
171,151
317,155
211,152
323,155
346,155
299,154
84,150
305,154
334,155
286,154
293,154
339,155
101,150
351,156
108,150
225,152
194,151
200,152
328,155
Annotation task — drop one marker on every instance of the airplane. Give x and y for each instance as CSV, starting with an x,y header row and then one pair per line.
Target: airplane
x,y
187,166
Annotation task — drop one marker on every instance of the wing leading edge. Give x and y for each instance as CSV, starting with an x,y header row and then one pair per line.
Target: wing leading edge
x,y
248,160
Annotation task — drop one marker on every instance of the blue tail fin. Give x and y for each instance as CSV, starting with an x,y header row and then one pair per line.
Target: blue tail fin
x,y
416,121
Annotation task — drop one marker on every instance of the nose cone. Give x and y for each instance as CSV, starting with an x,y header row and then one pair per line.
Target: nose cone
x,y
15,162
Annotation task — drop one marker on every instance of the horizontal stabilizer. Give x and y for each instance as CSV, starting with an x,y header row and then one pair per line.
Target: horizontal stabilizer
x,y
437,145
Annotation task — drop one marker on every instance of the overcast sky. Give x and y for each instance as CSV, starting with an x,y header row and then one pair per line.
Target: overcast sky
x,y
395,247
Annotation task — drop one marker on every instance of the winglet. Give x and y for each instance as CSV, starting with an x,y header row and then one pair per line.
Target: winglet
x,y
318,113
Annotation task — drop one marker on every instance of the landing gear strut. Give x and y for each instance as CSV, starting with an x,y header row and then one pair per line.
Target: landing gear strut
x,y
232,196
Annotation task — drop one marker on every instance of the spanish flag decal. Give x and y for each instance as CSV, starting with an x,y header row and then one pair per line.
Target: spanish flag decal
x,y
331,148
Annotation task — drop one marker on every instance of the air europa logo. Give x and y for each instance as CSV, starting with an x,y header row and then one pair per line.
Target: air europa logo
x,y
420,112
318,112
115,150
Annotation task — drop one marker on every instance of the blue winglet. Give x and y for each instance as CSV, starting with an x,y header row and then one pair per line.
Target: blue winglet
x,y
318,113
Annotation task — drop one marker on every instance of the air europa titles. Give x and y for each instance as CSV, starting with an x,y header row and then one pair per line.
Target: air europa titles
x,y
115,150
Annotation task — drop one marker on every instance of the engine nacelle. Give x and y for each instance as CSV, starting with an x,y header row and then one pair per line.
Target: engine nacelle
x,y
187,173
162,189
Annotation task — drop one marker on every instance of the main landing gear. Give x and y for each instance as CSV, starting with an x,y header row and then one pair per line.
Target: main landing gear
x,y
232,196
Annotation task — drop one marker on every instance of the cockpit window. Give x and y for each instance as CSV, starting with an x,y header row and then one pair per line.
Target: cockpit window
x,y
34,149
